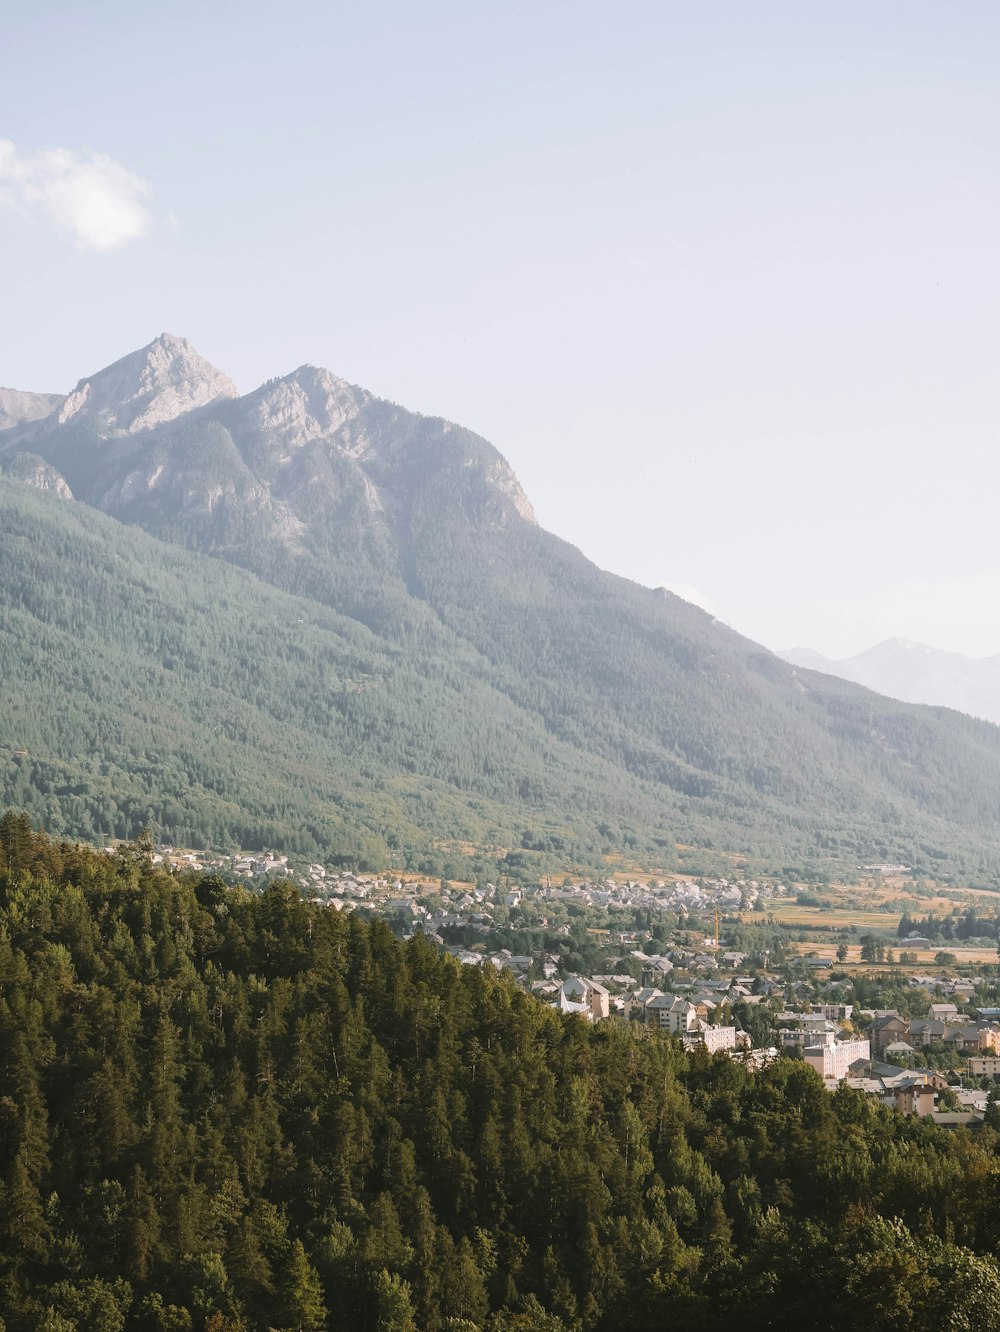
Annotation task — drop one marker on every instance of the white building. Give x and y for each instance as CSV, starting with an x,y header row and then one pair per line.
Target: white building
x,y
832,1061
712,1038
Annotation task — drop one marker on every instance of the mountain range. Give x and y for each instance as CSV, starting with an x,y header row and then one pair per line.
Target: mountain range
x,y
916,673
309,618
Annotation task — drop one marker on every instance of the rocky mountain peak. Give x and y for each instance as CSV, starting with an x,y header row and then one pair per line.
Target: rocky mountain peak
x,y
301,448
310,403
148,388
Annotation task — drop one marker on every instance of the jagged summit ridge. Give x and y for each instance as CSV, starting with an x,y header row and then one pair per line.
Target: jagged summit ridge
x,y
302,461
148,388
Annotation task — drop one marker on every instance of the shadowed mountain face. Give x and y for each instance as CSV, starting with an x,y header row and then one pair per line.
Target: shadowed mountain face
x,y
17,408
417,530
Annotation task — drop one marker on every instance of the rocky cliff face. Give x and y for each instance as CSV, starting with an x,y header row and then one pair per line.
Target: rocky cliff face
x,y
309,404
35,471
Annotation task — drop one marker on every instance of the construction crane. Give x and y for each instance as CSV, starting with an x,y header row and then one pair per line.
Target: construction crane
x,y
716,927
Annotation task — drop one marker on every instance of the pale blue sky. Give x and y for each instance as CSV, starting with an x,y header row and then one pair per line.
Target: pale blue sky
x,y
720,280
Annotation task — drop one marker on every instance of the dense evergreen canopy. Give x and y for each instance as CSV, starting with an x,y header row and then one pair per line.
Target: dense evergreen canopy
x,y
223,1111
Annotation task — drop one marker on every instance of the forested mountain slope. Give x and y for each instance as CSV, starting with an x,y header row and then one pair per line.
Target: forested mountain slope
x,y
236,1113
147,686
580,712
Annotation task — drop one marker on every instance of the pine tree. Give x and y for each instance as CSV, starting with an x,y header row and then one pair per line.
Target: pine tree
x,y
302,1306
393,1306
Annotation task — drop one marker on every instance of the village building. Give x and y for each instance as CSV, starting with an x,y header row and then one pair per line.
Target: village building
x,y
832,1061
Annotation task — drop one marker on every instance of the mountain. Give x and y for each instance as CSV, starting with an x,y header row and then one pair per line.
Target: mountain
x,y
461,680
809,659
17,408
916,673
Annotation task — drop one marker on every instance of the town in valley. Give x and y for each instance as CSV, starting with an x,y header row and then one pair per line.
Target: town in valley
x,y
758,970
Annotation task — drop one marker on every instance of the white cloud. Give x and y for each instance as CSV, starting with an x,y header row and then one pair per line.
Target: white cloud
x,y
688,593
93,196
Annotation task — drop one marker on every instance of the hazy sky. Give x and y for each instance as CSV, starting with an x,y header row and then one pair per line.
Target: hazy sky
x,y
720,279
